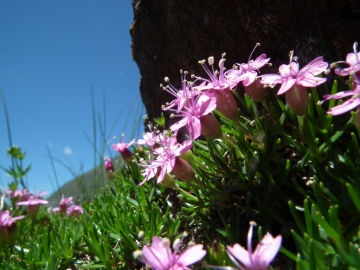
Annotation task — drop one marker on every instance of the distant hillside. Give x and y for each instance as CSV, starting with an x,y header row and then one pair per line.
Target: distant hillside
x,y
85,186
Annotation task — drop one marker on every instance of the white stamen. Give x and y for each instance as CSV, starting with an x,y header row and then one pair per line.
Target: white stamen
x,y
291,53
221,63
211,60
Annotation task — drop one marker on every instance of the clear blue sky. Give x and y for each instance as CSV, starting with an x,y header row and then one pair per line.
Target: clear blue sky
x,y
51,52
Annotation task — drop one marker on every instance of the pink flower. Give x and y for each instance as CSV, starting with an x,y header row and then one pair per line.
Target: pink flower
x,y
220,86
122,148
217,80
290,75
63,205
181,96
167,159
353,60
151,138
260,259
108,164
160,257
8,227
246,73
33,204
348,105
194,111
74,210
6,220
18,195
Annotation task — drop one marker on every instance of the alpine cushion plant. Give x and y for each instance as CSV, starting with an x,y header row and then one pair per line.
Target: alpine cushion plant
x,y
294,82
305,187
160,257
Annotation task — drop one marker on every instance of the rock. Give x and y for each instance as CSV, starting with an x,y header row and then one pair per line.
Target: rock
x,y
169,35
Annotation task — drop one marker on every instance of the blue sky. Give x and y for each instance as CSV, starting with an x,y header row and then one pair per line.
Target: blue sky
x,y
51,54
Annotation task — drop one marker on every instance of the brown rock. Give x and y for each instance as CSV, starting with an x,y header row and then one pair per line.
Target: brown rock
x,y
169,35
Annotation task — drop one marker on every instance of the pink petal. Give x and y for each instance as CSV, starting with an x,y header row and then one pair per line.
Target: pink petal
x,y
241,254
352,59
314,68
267,249
206,105
286,85
191,255
289,70
310,81
271,79
344,107
4,215
340,95
249,78
182,148
194,127
156,255
260,61
179,124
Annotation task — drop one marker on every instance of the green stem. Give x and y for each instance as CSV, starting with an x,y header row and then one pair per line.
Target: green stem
x,y
266,106
241,126
301,125
185,194
227,141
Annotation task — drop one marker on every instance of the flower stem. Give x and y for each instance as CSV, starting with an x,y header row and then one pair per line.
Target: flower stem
x,y
301,124
185,194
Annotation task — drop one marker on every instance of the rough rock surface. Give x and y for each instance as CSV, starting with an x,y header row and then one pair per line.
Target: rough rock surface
x,y
169,35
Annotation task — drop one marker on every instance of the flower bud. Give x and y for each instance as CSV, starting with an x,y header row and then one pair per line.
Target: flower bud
x,y
297,99
256,91
183,170
226,103
210,127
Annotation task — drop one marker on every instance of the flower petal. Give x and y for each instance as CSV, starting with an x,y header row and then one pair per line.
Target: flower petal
x,y
240,254
157,254
286,85
267,249
344,107
191,255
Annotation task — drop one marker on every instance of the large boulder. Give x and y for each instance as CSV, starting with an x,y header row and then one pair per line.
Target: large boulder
x,y
169,35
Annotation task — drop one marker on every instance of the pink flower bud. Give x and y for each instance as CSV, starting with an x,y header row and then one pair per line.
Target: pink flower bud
x,y
256,91
108,164
226,103
183,170
210,127
297,99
